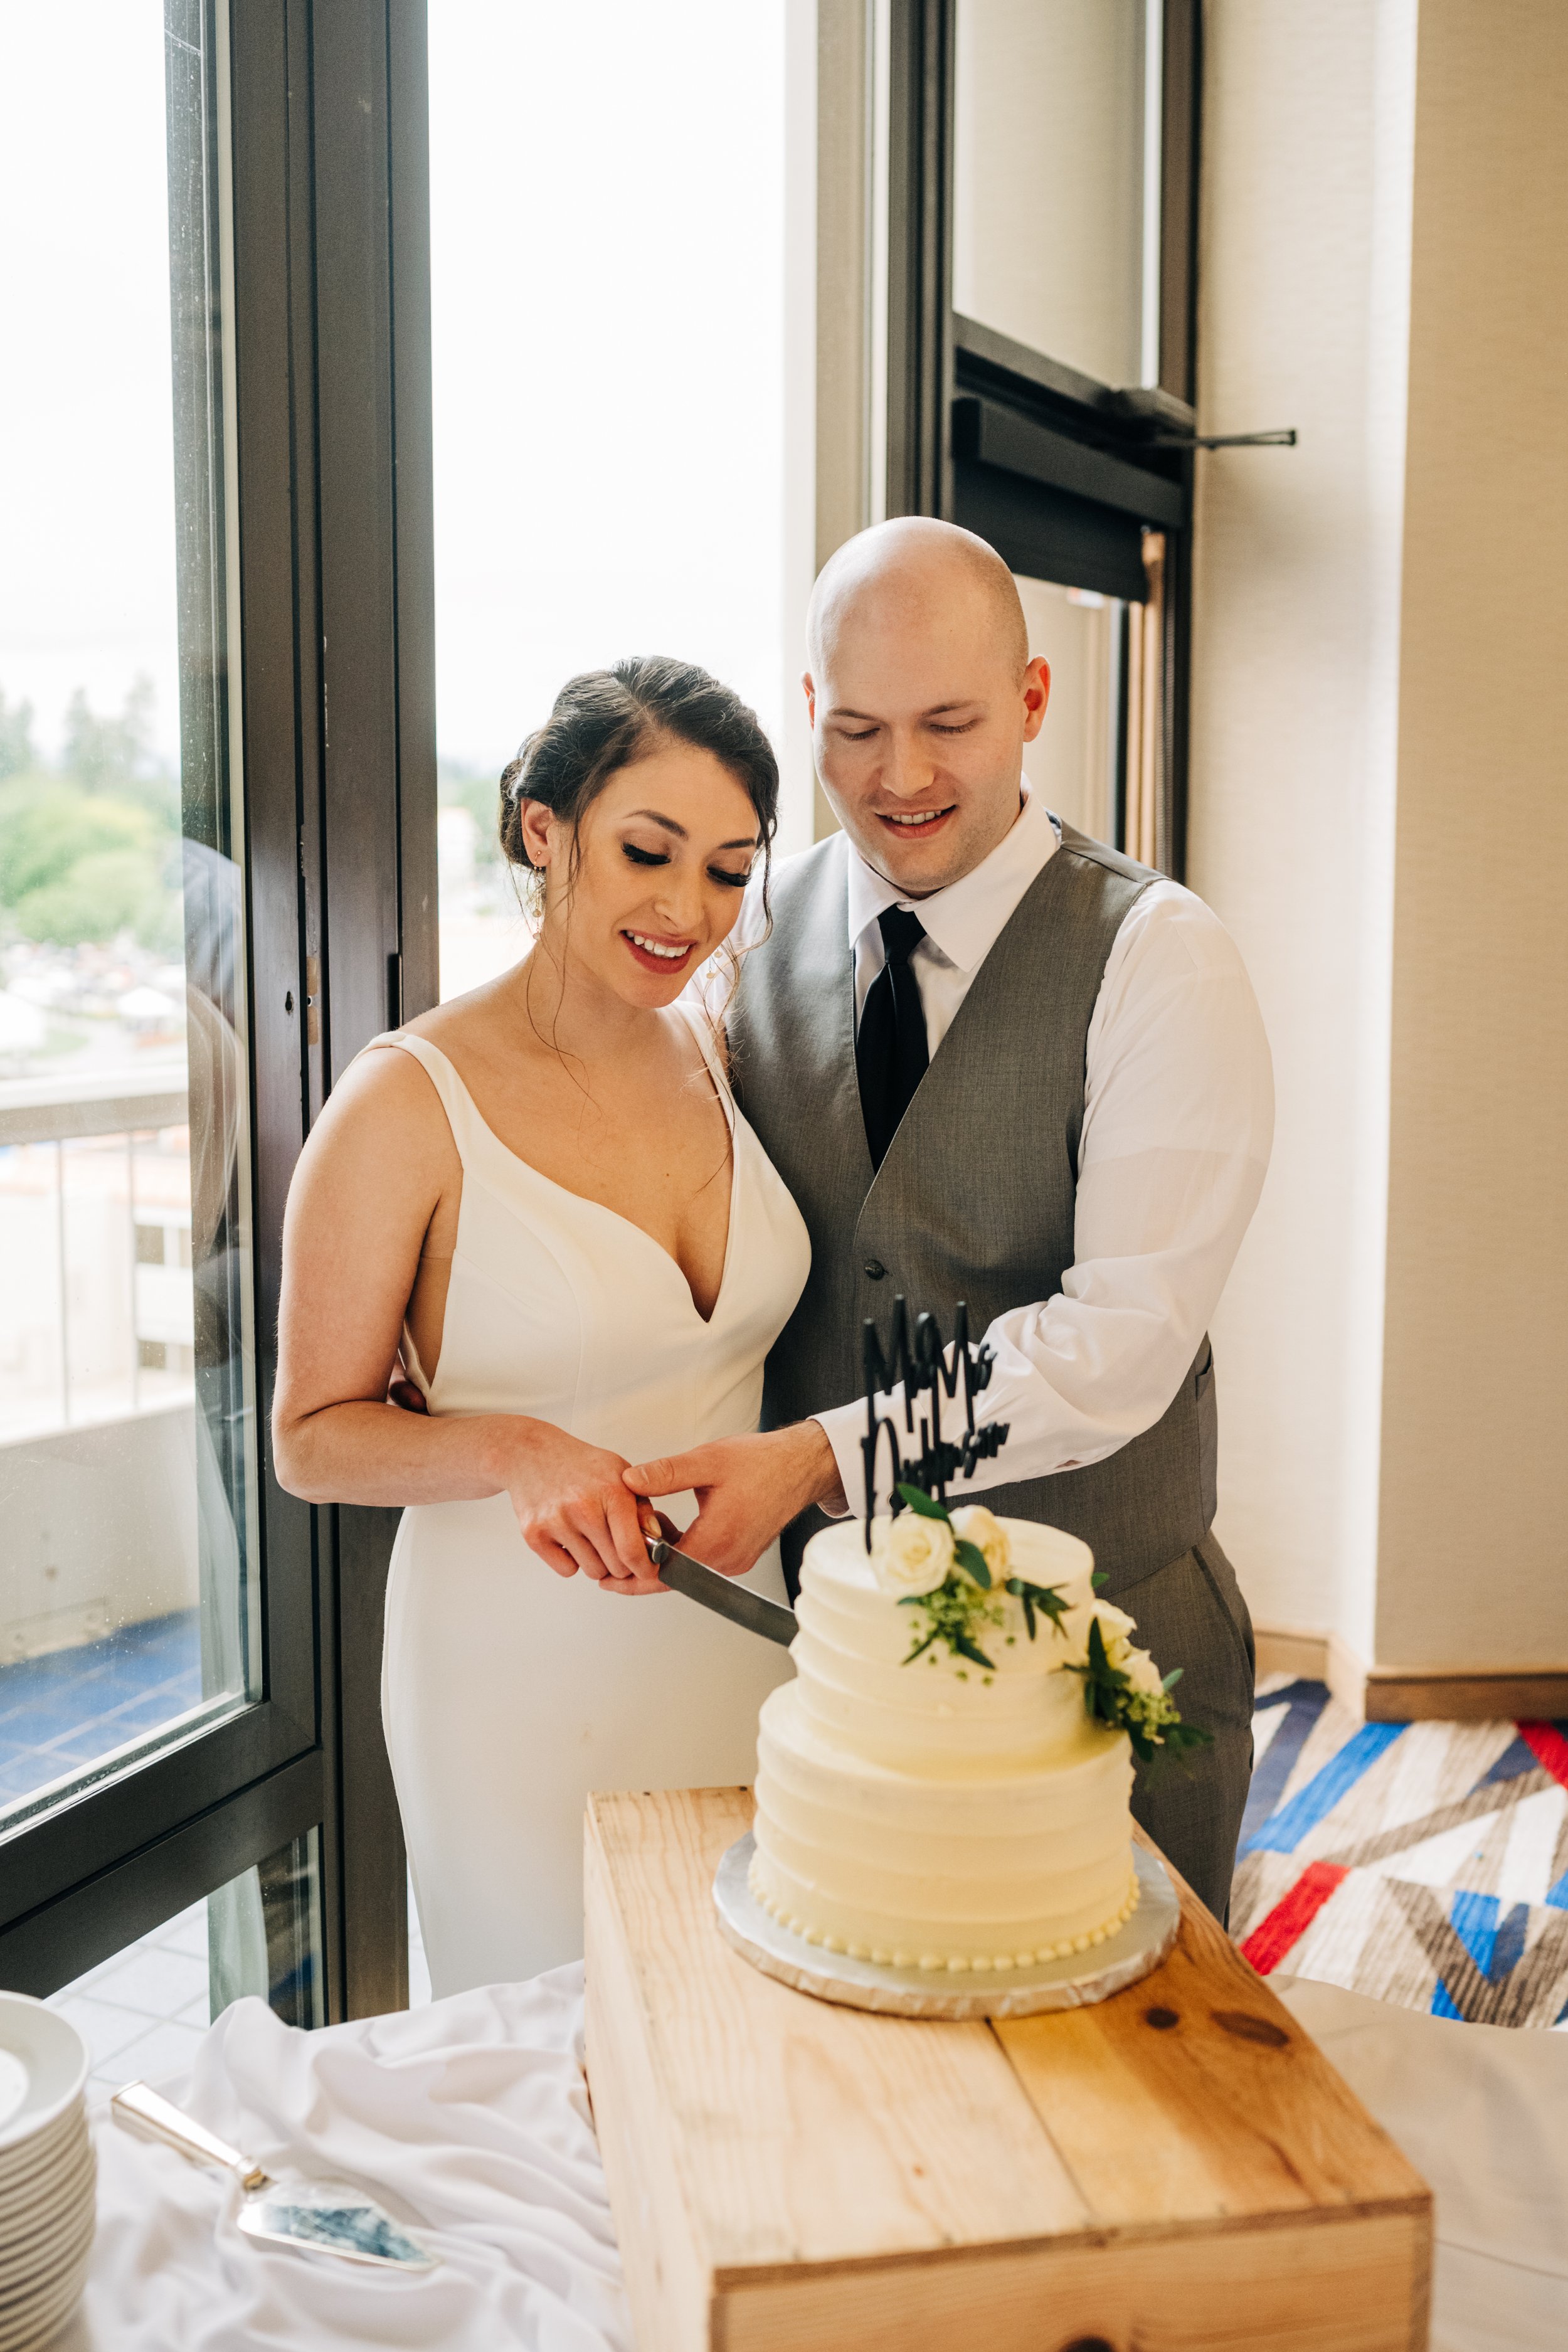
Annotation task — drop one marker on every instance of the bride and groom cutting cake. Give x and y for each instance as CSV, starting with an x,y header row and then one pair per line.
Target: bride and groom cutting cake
x,y
613,1224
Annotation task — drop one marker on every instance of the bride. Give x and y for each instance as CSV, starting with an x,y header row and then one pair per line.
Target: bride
x,y
542,1198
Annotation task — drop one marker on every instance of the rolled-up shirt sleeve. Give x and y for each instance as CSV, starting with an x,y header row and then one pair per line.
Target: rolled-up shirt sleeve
x,y
1178,1123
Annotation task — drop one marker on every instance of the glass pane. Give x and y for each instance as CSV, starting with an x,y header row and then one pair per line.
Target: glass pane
x,y
1050,170
127,1437
608,234
143,2013
1072,761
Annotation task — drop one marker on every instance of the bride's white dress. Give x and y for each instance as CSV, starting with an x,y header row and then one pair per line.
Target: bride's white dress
x,y
508,1692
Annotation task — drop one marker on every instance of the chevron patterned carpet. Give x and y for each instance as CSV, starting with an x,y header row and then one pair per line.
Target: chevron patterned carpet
x,y
1425,1863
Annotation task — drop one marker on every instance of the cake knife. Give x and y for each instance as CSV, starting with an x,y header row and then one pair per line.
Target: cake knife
x,y
722,1594
323,2215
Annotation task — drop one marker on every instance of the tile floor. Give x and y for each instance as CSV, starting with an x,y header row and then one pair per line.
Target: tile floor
x,y
68,1709
143,2013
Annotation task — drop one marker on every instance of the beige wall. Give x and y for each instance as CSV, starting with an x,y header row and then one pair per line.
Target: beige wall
x,y
1380,806
1474,1518
1303,262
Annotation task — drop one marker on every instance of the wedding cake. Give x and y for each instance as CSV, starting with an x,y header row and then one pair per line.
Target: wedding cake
x,y
945,1783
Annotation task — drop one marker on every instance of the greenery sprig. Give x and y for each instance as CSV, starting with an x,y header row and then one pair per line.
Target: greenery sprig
x,y
1149,1719
967,1607
958,1608
954,1613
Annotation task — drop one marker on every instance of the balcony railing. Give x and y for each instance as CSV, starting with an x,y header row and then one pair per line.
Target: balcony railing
x,y
94,1246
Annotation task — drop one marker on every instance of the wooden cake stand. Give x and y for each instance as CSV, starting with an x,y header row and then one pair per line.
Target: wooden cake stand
x,y
1177,2169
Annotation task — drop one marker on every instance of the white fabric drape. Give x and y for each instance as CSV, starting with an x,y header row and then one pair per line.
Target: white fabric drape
x,y
468,2119
1482,2110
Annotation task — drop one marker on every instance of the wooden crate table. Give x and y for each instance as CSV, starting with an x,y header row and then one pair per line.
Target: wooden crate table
x,y
1177,2169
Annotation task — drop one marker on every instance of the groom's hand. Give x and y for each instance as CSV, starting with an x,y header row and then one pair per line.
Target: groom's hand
x,y
747,1488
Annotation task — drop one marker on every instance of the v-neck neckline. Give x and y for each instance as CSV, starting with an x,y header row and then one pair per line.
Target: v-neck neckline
x,y
728,1111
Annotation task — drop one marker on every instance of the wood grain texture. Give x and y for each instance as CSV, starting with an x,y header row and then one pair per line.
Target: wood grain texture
x,y
810,2134
649,2194
1176,2170
1526,1694
1359,2286
1197,2096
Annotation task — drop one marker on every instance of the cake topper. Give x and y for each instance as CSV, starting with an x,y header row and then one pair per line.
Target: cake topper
x,y
924,1371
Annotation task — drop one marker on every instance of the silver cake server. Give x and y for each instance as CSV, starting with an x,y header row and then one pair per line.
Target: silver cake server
x,y
722,1594
324,2216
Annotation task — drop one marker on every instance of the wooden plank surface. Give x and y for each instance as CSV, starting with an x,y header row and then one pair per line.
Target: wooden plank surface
x,y
1195,2095
1178,2170
646,2170
1358,2286
810,2133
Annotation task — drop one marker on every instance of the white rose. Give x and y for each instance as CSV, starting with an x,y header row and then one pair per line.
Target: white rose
x,y
910,1554
1141,1671
1115,1625
974,1524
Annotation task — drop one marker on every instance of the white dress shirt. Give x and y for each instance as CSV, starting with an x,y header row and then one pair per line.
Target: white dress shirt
x,y
1178,1121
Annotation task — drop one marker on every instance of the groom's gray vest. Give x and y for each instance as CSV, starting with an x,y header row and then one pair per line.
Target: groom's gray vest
x,y
975,1198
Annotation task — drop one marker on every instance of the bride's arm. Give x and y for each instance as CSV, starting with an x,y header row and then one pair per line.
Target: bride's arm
x,y
377,1168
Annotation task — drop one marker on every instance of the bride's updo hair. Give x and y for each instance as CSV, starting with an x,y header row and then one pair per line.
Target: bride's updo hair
x,y
605,720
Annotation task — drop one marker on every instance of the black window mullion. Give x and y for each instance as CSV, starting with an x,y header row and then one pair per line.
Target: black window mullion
x,y
1180,90
919,257
138,1892
369,106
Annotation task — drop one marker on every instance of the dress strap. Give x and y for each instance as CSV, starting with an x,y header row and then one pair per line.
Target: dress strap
x,y
695,1016
462,1114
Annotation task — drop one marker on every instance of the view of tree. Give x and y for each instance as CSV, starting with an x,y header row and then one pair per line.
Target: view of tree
x,y
17,753
89,845
478,790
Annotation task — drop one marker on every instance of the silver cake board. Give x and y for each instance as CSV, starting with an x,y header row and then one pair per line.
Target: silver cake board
x,y
1139,1946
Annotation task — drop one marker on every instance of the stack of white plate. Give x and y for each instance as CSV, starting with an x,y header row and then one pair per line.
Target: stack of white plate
x,y
47,2177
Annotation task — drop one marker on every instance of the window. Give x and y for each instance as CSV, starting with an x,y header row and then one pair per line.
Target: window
x,y
142,2012
1075,763
1032,171
621,386
1055,180
204,420
127,1352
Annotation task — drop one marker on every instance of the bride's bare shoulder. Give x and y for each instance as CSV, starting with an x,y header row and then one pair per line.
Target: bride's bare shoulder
x,y
483,1021
386,1097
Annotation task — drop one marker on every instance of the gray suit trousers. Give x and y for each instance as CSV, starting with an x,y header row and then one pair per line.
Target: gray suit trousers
x,y
1192,1615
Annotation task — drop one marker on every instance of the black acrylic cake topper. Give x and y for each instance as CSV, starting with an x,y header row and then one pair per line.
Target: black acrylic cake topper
x,y
924,1371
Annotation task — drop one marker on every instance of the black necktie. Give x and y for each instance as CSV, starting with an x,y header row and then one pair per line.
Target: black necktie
x,y
890,1050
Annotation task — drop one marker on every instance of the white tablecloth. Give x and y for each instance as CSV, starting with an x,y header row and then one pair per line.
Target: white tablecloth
x,y
469,2120
1482,2110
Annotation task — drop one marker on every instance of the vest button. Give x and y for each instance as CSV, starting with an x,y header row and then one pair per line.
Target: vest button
x,y
875,1269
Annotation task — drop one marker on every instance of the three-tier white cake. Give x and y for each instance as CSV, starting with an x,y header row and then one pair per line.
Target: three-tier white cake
x,y
938,1813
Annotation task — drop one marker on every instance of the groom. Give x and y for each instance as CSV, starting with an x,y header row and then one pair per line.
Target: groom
x,y
995,1061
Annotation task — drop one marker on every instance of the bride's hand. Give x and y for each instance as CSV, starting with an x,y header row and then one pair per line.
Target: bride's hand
x,y
575,1512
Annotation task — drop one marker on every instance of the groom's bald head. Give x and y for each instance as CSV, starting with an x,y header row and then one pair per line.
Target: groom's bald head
x,y
921,695
913,571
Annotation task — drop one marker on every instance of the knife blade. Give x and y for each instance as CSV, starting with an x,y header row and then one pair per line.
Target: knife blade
x,y
722,1594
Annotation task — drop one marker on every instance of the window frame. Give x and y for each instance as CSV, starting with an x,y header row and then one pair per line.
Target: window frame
x,y
1008,440
335,570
